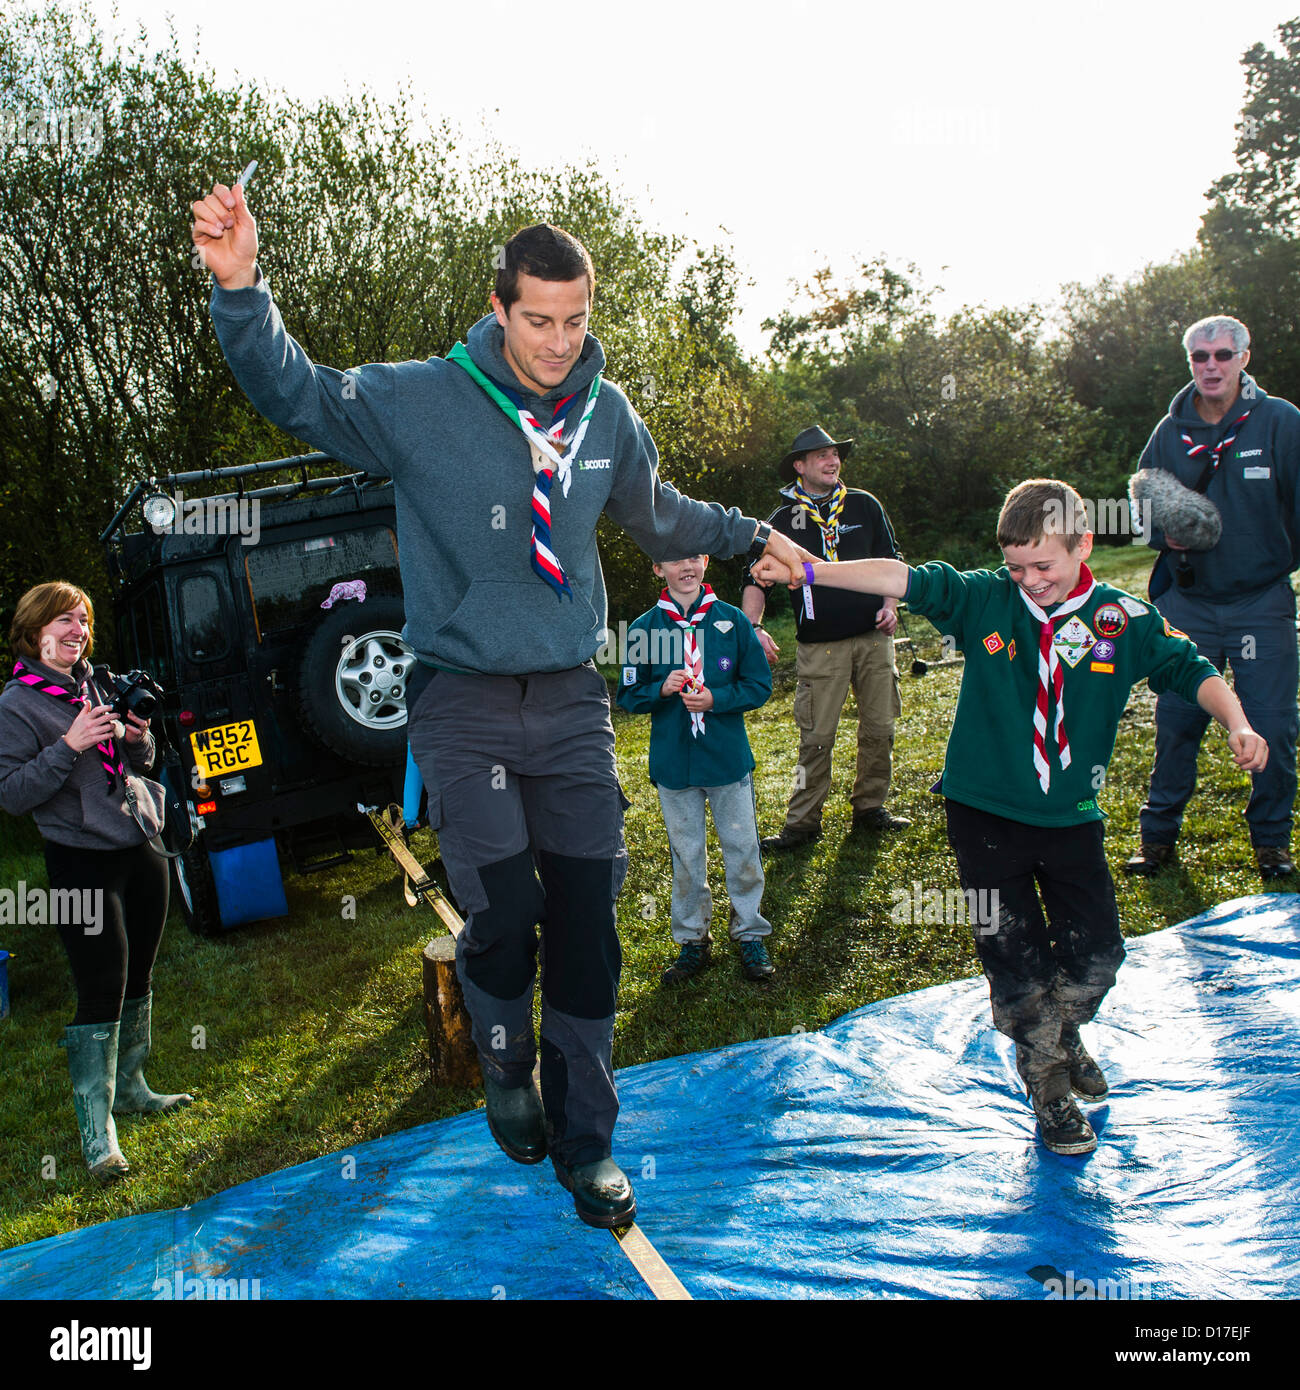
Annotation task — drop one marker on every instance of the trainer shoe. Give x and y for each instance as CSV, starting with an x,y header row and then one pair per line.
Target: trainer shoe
x,y
754,960
1086,1079
1062,1128
516,1120
693,957
602,1194
1274,862
789,839
1150,859
877,818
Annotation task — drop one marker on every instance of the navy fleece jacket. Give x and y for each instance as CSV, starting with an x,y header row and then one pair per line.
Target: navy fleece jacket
x,y
1255,488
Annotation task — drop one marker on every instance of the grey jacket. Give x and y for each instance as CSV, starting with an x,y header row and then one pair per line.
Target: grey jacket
x,y
67,792
463,476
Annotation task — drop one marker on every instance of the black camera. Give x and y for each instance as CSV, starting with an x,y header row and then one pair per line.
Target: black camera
x,y
134,693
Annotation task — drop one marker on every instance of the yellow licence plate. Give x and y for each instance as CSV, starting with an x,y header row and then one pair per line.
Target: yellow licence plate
x,y
227,748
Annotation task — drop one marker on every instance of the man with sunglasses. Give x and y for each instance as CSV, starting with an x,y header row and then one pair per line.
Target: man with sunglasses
x,y
1226,437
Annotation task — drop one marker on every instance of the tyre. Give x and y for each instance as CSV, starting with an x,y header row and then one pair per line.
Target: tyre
x,y
352,684
196,891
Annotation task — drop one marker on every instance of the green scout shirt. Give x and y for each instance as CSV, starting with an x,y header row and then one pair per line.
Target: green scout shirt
x,y
1105,647
734,668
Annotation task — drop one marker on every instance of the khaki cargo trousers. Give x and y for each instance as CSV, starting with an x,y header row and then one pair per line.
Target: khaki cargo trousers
x,y
825,672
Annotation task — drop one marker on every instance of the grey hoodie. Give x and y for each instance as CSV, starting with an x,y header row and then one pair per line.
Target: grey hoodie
x,y
463,476
1256,488
65,791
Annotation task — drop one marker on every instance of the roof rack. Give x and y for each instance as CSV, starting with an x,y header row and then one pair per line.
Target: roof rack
x,y
359,481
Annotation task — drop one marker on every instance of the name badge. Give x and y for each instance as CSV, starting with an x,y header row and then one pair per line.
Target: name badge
x,y
1256,472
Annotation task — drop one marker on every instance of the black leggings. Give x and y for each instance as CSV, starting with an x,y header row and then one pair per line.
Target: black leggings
x,y
111,957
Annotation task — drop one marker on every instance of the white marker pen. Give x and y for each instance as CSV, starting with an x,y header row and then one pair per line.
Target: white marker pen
x,y
247,174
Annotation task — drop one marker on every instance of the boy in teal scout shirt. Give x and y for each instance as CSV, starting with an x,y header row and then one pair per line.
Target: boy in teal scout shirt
x,y
1050,658
695,665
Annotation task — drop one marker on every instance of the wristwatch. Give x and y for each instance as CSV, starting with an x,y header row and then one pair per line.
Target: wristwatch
x,y
759,544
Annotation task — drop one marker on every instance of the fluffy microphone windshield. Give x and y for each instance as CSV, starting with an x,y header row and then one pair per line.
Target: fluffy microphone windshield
x,y
1186,517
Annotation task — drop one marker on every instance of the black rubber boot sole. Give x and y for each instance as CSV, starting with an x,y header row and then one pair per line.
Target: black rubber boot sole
x,y
602,1222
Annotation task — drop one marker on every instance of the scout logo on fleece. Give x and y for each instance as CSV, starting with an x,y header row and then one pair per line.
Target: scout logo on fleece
x,y
1110,620
993,643
1071,640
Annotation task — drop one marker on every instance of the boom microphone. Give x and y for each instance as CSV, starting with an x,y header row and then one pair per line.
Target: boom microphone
x,y
1188,518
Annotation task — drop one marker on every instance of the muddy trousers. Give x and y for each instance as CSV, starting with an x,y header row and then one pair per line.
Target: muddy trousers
x,y
1046,969
525,799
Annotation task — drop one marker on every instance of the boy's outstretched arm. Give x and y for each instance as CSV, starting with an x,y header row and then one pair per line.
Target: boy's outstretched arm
x,y
1215,697
889,578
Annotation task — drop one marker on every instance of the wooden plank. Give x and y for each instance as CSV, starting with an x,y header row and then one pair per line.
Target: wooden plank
x,y
650,1264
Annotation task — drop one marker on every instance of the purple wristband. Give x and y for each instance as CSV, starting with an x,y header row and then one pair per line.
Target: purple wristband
x,y
807,572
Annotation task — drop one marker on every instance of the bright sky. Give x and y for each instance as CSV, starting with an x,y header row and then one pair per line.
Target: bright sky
x,y
1003,147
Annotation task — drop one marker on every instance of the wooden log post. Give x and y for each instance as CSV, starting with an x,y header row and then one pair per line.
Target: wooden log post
x,y
453,1058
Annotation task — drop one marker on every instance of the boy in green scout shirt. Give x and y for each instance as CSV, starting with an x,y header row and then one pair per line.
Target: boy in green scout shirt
x,y
1050,658
695,666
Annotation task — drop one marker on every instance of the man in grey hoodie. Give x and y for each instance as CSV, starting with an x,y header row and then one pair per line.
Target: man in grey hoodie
x,y
1226,436
503,457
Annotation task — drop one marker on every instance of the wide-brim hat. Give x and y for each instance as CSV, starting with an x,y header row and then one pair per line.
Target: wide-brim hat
x,y
814,437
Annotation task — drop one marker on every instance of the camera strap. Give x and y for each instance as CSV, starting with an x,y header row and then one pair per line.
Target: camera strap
x,y
108,755
174,806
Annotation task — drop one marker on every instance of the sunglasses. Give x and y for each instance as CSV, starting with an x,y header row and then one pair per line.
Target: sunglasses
x,y
1222,355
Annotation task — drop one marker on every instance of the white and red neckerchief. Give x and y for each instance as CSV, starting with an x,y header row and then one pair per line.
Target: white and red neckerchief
x,y
1052,678
1194,450
694,662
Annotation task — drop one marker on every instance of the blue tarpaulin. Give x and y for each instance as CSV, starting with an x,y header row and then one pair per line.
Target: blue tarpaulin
x,y
891,1154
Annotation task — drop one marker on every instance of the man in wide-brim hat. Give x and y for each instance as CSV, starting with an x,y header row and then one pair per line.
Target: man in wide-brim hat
x,y
845,639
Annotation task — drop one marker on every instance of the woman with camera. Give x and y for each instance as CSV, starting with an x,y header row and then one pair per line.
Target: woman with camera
x,y
66,757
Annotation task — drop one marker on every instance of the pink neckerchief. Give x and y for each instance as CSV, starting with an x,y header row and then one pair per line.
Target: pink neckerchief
x,y
1051,677
111,762
694,662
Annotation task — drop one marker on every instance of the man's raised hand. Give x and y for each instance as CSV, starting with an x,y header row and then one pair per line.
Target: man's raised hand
x,y
225,234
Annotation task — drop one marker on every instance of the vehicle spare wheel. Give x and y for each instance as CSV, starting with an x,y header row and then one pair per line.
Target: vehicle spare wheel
x,y
352,688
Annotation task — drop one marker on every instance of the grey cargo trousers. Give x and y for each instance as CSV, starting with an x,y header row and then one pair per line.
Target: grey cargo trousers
x,y
524,796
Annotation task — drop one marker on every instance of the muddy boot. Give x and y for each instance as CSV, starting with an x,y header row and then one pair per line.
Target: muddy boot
x,y
133,1094
92,1062
1086,1079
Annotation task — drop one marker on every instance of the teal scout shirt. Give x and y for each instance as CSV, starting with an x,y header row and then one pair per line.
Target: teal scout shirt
x,y
1105,647
735,669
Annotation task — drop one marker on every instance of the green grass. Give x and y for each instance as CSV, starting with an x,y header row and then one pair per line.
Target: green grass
x,y
313,1032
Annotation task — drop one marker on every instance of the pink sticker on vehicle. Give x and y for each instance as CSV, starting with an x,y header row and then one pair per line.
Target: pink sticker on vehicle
x,y
354,588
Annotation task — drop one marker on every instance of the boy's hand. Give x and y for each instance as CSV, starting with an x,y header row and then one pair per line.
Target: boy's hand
x,y
697,701
769,570
673,683
1249,751
789,556
887,620
770,648
226,236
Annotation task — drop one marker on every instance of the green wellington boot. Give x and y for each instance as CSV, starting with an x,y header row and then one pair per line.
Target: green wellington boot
x,y
92,1062
133,1094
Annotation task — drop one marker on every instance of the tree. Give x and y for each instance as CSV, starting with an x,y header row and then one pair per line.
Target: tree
x,y
380,237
